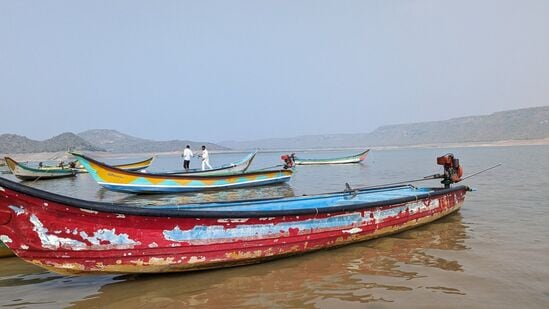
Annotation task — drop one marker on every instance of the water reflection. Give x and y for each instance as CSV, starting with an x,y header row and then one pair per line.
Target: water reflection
x,y
271,191
101,194
25,285
31,279
431,266
375,271
13,267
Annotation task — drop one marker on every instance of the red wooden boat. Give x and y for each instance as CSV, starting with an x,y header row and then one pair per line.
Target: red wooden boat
x,y
68,235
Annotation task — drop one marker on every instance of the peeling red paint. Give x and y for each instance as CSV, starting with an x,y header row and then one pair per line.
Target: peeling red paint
x,y
166,255
293,231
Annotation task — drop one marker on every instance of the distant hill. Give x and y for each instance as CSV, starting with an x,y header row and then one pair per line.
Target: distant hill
x,y
12,143
521,124
115,141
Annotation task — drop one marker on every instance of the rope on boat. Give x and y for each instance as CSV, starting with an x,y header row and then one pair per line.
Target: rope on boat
x,y
37,178
350,190
270,167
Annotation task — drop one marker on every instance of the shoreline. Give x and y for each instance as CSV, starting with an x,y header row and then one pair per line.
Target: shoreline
x,y
64,156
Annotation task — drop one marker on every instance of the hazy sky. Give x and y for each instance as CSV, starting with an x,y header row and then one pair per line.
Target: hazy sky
x,y
237,70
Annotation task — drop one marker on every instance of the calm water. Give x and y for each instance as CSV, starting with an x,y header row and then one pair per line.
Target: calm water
x,y
494,252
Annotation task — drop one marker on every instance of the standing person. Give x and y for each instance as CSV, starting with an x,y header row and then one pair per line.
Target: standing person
x,y
205,158
187,155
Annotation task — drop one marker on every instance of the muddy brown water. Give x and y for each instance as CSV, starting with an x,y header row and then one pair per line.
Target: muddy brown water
x,y
493,253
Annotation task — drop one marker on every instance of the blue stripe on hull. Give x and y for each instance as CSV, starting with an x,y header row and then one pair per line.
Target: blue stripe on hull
x,y
176,189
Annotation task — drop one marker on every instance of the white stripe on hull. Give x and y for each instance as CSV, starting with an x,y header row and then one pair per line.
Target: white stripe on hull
x,y
26,174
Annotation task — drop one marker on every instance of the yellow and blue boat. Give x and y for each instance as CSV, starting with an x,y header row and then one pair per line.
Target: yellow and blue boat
x,y
116,179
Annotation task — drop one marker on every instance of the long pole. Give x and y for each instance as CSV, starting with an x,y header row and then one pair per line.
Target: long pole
x,y
484,170
431,177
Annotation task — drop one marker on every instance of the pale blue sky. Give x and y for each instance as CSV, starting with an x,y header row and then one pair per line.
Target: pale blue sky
x,y
238,70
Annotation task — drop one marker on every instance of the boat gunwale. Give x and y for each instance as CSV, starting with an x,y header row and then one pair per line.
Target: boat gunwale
x,y
115,208
149,161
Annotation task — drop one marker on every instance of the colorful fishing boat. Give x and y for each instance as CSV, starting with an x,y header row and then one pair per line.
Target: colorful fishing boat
x,y
135,182
72,236
230,168
134,166
339,160
25,172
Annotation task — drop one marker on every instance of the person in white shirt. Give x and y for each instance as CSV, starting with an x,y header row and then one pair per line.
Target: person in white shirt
x,y
205,158
187,155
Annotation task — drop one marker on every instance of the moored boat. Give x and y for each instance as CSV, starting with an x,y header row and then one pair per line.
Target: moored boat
x,y
135,182
25,172
230,168
339,160
69,235
134,166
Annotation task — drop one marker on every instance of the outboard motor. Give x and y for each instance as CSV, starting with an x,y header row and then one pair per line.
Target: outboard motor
x,y
452,170
288,160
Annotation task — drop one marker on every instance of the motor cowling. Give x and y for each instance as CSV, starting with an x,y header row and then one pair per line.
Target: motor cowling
x,y
452,169
288,160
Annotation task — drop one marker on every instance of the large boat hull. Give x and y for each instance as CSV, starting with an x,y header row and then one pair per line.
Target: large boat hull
x,y
72,236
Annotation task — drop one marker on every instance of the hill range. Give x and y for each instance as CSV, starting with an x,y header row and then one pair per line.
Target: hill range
x,y
12,143
115,141
514,125
95,140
